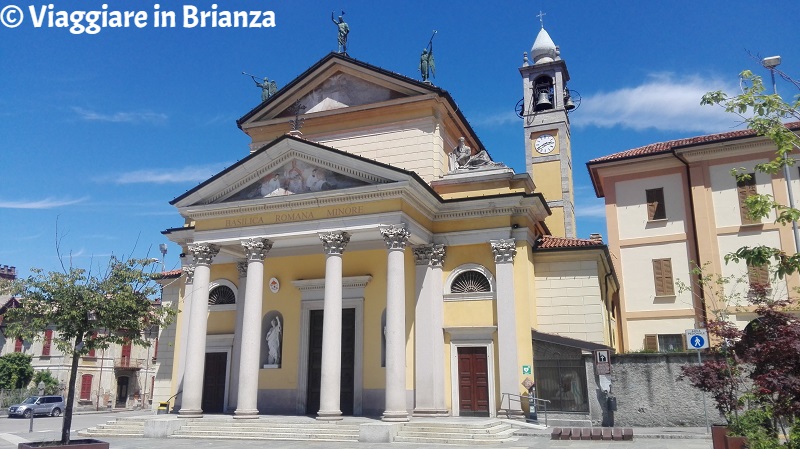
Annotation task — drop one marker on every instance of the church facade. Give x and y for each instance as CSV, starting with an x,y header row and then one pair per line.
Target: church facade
x,y
378,261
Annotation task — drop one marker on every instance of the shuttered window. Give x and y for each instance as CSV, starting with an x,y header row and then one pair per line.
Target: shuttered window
x,y
744,189
662,276
86,387
758,275
48,340
651,342
18,345
655,204
91,351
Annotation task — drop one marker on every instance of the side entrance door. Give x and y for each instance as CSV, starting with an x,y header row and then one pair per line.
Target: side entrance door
x,y
214,382
473,382
346,387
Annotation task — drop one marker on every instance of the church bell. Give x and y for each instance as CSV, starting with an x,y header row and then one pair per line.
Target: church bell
x,y
543,102
568,103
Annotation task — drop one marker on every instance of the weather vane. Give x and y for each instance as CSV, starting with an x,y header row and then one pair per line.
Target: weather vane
x,y
541,18
297,122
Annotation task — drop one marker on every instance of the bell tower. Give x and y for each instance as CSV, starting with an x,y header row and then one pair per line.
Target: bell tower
x,y
548,153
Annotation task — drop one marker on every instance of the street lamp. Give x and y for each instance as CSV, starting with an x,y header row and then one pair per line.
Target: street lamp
x,y
770,63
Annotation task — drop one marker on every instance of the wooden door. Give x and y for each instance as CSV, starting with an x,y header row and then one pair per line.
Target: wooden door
x,y
214,382
473,382
346,388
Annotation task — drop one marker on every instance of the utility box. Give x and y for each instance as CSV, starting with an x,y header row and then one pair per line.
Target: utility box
x,y
611,402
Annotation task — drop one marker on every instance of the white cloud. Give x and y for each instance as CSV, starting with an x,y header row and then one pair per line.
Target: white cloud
x,y
47,203
155,118
592,211
164,176
665,102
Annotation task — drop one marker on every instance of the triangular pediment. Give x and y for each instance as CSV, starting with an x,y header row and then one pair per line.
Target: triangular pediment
x,y
336,82
289,167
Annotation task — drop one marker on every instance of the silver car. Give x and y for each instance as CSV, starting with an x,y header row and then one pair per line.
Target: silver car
x,y
38,405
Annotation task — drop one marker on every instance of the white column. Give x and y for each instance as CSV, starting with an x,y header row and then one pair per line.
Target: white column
x,y
333,243
185,308
233,395
396,238
198,323
428,333
504,251
247,405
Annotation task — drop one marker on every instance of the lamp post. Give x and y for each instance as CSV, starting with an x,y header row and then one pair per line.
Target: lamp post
x,y
770,63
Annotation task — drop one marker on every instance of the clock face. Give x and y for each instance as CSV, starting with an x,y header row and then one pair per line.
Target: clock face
x,y
545,144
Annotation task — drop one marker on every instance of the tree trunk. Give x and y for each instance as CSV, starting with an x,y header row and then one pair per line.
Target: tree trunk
x,y
73,374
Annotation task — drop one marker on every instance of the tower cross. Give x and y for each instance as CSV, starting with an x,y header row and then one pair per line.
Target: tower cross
x,y
541,18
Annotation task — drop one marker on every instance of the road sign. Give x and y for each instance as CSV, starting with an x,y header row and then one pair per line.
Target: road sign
x,y
526,369
696,338
602,360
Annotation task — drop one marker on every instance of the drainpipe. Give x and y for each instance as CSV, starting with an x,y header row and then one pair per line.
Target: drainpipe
x,y
701,293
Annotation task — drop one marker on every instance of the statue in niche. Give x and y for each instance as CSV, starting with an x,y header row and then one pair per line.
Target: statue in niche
x,y
461,158
344,30
274,342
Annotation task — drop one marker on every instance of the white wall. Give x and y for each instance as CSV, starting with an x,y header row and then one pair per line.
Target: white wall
x,y
632,207
732,242
725,195
569,301
637,329
637,277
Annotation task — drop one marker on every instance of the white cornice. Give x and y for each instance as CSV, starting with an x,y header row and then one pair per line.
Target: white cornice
x,y
319,284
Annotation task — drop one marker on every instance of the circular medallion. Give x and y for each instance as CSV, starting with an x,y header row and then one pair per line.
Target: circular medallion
x,y
274,285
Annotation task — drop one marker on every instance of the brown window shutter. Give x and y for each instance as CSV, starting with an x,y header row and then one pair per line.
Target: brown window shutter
x,y
651,342
669,284
758,275
658,278
48,340
655,204
744,189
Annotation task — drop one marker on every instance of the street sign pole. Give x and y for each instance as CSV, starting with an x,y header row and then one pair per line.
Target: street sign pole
x,y
705,408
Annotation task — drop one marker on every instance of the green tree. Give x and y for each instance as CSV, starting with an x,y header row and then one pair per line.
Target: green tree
x,y
16,371
771,345
50,382
89,311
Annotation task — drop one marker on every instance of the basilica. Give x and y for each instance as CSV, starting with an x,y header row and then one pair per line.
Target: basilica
x,y
377,261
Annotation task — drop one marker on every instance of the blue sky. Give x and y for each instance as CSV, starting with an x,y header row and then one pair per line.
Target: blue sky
x,y
99,132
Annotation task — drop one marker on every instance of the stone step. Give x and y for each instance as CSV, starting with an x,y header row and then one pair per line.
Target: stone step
x,y
297,435
197,428
462,441
496,428
457,435
334,438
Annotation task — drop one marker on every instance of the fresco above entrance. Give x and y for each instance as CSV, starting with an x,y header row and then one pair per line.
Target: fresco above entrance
x,y
296,177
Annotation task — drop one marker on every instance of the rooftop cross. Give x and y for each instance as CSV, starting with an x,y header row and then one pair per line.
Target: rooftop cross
x,y
541,18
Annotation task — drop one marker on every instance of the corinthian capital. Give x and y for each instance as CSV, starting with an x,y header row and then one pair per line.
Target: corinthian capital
x,y
203,252
431,254
188,271
241,267
333,243
504,250
256,249
395,236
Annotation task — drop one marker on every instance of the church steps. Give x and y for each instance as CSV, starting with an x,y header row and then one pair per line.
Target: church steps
x,y
123,427
490,432
267,430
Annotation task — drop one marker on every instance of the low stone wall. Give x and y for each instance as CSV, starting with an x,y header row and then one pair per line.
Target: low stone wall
x,y
649,394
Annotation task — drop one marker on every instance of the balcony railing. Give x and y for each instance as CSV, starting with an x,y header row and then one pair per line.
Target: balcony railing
x,y
129,363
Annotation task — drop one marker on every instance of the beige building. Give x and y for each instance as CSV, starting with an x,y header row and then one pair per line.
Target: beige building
x,y
672,206
378,261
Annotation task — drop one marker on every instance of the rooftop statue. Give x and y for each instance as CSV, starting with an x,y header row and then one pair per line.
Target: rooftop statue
x,y
461,158
427,66
344,30
268,88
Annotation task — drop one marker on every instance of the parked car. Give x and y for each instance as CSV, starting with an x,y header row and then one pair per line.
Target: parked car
x,y
38,405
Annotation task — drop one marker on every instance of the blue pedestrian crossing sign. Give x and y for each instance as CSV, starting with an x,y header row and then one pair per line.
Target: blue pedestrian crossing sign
x,y
696,338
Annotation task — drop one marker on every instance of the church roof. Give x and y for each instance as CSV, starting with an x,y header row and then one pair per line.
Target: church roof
x,y
544,49
553,242
668,146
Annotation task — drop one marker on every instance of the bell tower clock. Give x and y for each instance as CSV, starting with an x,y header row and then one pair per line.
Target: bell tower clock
x,y
544,108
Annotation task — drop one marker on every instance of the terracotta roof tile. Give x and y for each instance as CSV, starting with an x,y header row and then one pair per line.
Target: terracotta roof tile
x,y
551,242
169,274
666,147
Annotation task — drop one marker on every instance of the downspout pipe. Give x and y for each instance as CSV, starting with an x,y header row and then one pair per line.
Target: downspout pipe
x,y
701,290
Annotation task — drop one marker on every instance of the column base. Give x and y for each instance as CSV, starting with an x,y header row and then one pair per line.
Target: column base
x,y
430,412
329,415
245,414
398,416
188,413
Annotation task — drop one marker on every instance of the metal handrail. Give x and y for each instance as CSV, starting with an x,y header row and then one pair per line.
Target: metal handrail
x,y
520,397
